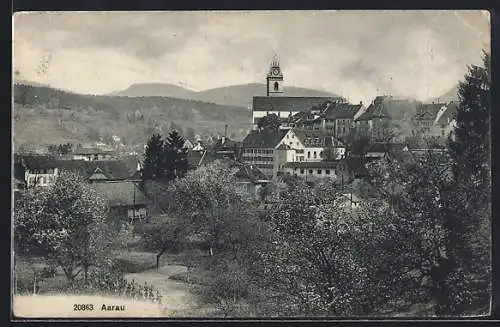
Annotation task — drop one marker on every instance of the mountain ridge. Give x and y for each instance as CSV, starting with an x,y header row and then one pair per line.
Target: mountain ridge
x,y
234,95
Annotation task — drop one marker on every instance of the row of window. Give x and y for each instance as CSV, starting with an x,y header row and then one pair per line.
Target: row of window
x,y
42,171
259,158
318,171
259,151
40,180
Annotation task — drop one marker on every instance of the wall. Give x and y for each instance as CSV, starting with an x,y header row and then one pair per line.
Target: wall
x,y
262,158
40,178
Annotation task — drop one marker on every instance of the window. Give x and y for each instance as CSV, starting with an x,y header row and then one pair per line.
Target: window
x,y
276,86
327,171
287,136
310,171
314,154
297,143
319,171
302,171
308,154
321,154
293,136
291,143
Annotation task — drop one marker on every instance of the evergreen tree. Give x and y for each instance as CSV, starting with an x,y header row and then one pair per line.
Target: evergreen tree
x,y
470,146
175,156
153,168
466,279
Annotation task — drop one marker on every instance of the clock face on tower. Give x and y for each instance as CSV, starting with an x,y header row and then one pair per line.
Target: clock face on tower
x,y
276,71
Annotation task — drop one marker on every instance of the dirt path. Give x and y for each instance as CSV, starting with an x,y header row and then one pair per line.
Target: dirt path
x,y
176,296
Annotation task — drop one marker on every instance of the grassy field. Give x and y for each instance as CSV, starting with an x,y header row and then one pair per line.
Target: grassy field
x,y
139,266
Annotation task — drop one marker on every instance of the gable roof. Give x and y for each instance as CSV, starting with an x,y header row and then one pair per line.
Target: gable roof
x,y
288,104
250,173
317,138
445,114
195,158
121,193
265,138
428,111
388,107
114,169
34,161
339,110
99,175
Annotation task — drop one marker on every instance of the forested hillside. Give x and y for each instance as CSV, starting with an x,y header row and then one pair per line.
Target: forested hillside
x,y
44,115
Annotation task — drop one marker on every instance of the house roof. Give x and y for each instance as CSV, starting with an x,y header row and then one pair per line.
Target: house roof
x,y
446,113
115,169
264,139
91,151
300,116
388,107
99,175
428,111
288,104
317,138
250,173
339,110
121,193
36,161
228,143
195,158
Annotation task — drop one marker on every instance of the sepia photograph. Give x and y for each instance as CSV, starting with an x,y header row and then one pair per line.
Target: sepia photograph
x,y
282,164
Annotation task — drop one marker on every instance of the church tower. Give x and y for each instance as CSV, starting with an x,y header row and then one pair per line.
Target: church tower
x,y
274,78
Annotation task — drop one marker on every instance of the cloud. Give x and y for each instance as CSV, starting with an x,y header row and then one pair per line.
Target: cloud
x,y
356,53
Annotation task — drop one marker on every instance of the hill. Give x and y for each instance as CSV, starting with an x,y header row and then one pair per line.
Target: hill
x,y
234,95
43,115
155,89
451,95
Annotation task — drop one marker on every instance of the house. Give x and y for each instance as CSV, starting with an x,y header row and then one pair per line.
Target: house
x,y
188,144
226,148
125,199
198,146
349,200
196,158
249,180
111,169
91,154
426,115
314,170
320,145
445,121
336,118
259,149
35,170
386,118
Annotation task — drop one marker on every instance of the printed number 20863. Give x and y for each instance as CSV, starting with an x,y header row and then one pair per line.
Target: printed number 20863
x,y
83,307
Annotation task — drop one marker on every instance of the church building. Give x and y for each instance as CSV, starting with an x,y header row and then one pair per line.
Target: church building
x,y
275,102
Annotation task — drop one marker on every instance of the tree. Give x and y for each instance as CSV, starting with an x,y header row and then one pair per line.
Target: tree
x,y
206,199
67,223
324,258
153,165
271,121
469,221
163,233
175,156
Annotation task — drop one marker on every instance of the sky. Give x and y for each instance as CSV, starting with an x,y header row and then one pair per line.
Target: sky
x,y
357,54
